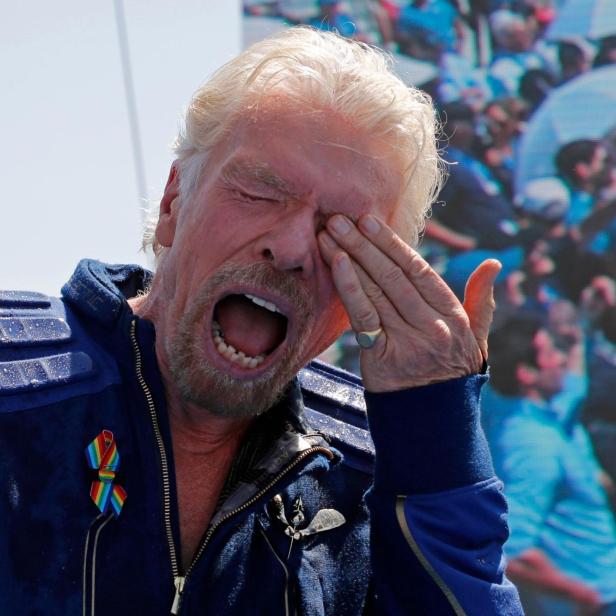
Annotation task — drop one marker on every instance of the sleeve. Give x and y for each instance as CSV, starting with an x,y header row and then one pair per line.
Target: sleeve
x,y
530,468
438,514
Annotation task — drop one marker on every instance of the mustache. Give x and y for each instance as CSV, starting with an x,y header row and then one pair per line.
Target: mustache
x,y
261,275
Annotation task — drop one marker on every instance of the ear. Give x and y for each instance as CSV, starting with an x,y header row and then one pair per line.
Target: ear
x,y
525,375
167,217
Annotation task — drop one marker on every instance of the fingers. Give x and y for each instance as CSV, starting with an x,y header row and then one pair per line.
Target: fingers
x,y
479,301
383,282
362,313
392,277
390,310
392,262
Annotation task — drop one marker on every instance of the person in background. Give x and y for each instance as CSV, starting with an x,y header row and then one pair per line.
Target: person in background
x,y
472,217
562,549
505,121
599,411
575,59
535,86
514,37
606,54
588,170
425,28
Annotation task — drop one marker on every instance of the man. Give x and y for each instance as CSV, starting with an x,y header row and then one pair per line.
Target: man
x,y
426,28
473,218
278,227
586,168
514,36
575,58
562,549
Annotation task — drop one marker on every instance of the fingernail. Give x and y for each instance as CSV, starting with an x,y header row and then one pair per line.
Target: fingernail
x,y
370,224
339,224
327,239
343,261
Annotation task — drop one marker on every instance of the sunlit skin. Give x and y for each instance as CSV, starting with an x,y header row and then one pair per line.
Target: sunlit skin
x,y
267,194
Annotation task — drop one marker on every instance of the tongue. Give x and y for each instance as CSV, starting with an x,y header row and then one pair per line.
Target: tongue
x,y
248,327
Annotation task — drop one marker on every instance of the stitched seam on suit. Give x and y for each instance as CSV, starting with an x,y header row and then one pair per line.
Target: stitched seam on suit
x,y
438,580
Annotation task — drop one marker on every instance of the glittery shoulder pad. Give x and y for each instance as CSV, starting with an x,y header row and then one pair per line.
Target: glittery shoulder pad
x,y
335,407
37,349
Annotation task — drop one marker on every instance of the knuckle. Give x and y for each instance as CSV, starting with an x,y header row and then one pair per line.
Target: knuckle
x,y
375,293
392,276
460,319
392,242
442,331
364,316
418,268
350,287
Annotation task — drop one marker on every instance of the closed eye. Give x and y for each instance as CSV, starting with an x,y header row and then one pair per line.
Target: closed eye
x,y
252,198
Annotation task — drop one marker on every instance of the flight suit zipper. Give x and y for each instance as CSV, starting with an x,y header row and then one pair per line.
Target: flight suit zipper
x,y
180,580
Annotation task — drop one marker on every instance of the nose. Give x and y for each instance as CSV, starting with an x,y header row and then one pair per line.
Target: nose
x,y
291,245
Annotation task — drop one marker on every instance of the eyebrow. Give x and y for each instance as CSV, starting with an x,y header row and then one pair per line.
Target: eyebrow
x,y
239,170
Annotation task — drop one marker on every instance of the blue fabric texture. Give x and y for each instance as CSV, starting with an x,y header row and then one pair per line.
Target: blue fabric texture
x,y
424,537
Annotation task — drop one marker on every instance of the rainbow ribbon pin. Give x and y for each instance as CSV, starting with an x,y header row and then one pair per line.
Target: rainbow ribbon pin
x,y
102,454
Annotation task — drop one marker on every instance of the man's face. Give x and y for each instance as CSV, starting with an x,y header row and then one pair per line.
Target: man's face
x,y
247,237
502,125
521,37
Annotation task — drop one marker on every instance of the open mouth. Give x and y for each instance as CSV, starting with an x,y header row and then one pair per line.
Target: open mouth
x,y
246,329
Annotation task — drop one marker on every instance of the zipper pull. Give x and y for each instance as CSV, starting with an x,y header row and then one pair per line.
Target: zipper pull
x,y
179,588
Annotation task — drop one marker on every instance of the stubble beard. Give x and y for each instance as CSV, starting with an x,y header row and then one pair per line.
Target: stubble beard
x,y
201,383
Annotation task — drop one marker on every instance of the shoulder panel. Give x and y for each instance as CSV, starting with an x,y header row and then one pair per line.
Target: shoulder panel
x,y
30,374
30,319
23,299
26,331
46,355
335,407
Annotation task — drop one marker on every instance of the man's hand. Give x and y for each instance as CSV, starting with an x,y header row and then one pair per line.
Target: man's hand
x,y
428,336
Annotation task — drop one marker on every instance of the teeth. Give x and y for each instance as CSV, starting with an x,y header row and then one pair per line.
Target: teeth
x,y
230,352
262,302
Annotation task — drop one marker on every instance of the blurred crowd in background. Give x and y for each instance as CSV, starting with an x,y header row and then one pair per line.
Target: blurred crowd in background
x,y
526,91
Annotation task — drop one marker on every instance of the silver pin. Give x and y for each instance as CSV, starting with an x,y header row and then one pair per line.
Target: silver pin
x,y
297,519
324,519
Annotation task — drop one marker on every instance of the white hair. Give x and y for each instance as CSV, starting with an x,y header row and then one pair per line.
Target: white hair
x,y
503,23
321,70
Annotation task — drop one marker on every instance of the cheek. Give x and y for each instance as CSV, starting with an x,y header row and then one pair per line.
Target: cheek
x,y
330,322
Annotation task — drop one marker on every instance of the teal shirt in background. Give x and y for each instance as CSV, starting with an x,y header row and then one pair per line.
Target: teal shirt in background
x,y
582,204
545,459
